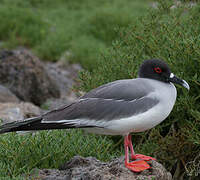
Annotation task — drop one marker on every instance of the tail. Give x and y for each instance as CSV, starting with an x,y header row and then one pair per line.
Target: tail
x,y
34,124
62,118
29,125
18,125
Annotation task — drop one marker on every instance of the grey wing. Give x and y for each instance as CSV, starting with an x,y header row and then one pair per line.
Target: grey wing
x,y
93,111
127,89
114,100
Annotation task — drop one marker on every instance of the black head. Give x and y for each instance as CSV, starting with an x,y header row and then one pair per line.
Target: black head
x,y
159,70
155,69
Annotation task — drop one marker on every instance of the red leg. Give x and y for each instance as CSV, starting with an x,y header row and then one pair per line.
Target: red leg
x,y
126,146
137,156
131,147
135,166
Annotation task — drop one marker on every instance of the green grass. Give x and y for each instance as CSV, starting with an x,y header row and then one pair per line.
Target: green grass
x,y
50,28
21,26
171,35
19,154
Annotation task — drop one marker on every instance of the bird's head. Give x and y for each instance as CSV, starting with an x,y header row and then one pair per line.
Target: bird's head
x,y
159,70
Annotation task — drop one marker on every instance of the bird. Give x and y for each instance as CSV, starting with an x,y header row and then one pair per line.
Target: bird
x,y
120,107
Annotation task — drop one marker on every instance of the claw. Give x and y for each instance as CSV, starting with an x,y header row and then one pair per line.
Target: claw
x,y
143,157
137,166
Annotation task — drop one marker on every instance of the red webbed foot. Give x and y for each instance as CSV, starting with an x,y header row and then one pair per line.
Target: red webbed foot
x,y
143,157
137,166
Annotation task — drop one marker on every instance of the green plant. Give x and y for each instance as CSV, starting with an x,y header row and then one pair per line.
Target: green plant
x,y
51,28
171,35
21,26
49,149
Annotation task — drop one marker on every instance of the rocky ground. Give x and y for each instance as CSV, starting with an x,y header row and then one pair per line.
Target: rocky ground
x,y
90,168
26,85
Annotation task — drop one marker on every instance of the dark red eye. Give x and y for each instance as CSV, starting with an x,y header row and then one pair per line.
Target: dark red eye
x,y
158,70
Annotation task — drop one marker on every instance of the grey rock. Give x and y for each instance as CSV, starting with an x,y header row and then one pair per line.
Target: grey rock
x,y
60,76
25,75
6,95
79,168
65,76
10,112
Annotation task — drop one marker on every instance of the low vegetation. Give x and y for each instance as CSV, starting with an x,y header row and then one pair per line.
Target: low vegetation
x,y
52,28
171,34
20,154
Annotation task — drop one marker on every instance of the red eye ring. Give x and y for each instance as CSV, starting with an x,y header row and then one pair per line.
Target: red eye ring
x,y
158,70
